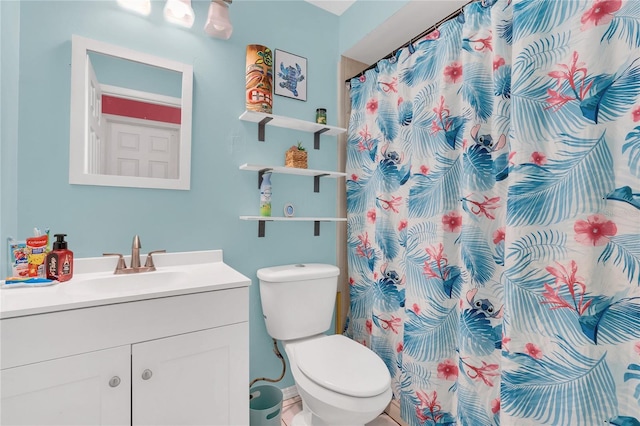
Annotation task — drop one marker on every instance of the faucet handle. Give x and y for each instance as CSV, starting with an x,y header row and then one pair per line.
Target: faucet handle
x,y
149,262
121,264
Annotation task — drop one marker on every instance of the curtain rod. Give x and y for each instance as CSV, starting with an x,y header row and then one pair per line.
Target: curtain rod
x,y
422,34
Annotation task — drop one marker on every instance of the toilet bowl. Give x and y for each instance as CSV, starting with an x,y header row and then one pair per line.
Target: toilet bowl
x,y
340,381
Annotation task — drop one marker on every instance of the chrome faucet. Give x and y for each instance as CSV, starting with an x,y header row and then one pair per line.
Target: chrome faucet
x,y
121,267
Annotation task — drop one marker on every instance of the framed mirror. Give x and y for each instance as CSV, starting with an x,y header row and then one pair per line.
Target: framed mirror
x,y
130,118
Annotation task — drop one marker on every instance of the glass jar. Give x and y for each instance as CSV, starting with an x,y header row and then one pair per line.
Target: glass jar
x,y
321,116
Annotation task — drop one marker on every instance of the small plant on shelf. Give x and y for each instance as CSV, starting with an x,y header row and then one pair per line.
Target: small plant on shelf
x,y
296,156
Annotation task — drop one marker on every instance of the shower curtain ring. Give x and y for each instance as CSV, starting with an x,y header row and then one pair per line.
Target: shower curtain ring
x,y
412,49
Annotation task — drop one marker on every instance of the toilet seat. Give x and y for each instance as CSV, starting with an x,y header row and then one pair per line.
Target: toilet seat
x,y
342,365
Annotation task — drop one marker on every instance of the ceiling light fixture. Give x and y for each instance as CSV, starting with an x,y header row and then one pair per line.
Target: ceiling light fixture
x,y
218,23
143,7
179,12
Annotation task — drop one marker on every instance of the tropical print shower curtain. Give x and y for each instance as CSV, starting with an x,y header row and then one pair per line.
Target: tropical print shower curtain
x,y
493,196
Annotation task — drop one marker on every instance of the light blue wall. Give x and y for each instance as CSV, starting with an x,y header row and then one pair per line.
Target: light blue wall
x,y
127,74
9,60
363,17
104,219
34,123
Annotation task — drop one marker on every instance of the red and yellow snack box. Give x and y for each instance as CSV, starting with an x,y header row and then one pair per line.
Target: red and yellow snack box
x,y
36,255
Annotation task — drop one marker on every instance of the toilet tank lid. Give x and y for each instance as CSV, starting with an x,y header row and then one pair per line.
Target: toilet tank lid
x,y
300,271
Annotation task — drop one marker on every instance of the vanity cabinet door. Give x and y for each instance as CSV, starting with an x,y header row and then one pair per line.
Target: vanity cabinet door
x,y
198,378
88,389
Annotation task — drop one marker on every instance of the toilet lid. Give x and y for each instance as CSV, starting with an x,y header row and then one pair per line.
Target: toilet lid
x,y
342,365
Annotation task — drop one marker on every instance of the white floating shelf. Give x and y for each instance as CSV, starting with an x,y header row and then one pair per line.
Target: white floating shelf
x,y
290,123
317,174
292,170
316,220
294,219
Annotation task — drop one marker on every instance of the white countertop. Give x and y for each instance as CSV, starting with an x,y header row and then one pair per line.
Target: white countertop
x,y
199,271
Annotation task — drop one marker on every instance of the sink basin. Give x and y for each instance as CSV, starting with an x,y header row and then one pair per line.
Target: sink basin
x,y
110,284
95,284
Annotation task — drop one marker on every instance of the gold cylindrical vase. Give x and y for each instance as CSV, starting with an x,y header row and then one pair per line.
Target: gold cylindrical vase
x,y
259,83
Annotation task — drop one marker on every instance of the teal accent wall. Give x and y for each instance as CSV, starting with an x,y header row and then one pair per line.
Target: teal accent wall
x,y
105,219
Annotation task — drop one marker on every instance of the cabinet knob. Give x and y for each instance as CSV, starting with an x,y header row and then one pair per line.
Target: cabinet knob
x,y
146,374
114,382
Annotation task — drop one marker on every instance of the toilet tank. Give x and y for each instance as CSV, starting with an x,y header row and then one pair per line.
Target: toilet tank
x,y
298,300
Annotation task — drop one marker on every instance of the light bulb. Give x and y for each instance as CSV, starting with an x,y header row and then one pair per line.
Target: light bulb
x,y
143,7
218,23
179,12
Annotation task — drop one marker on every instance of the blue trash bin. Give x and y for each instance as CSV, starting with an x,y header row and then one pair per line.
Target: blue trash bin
x,y
265,405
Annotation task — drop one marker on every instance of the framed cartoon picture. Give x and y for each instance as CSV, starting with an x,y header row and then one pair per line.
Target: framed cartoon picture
x,y
290,73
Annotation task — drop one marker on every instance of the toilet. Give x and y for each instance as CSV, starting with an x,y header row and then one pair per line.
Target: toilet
x,y
340,381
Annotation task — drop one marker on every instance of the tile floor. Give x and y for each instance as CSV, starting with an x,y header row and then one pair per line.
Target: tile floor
x,y
292,406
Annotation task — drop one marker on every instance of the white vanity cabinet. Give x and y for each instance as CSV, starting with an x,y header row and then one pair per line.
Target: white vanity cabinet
x,y
191,379
73,390
181,380
161,359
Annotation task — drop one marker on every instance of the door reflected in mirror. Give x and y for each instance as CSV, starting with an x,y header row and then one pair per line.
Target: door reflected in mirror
x,y
130,118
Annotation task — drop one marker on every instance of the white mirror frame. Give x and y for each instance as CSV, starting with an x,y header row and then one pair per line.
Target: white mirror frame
x,y
80,47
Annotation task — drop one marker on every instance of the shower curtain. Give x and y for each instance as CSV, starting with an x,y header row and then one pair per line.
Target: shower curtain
x,y
493,198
